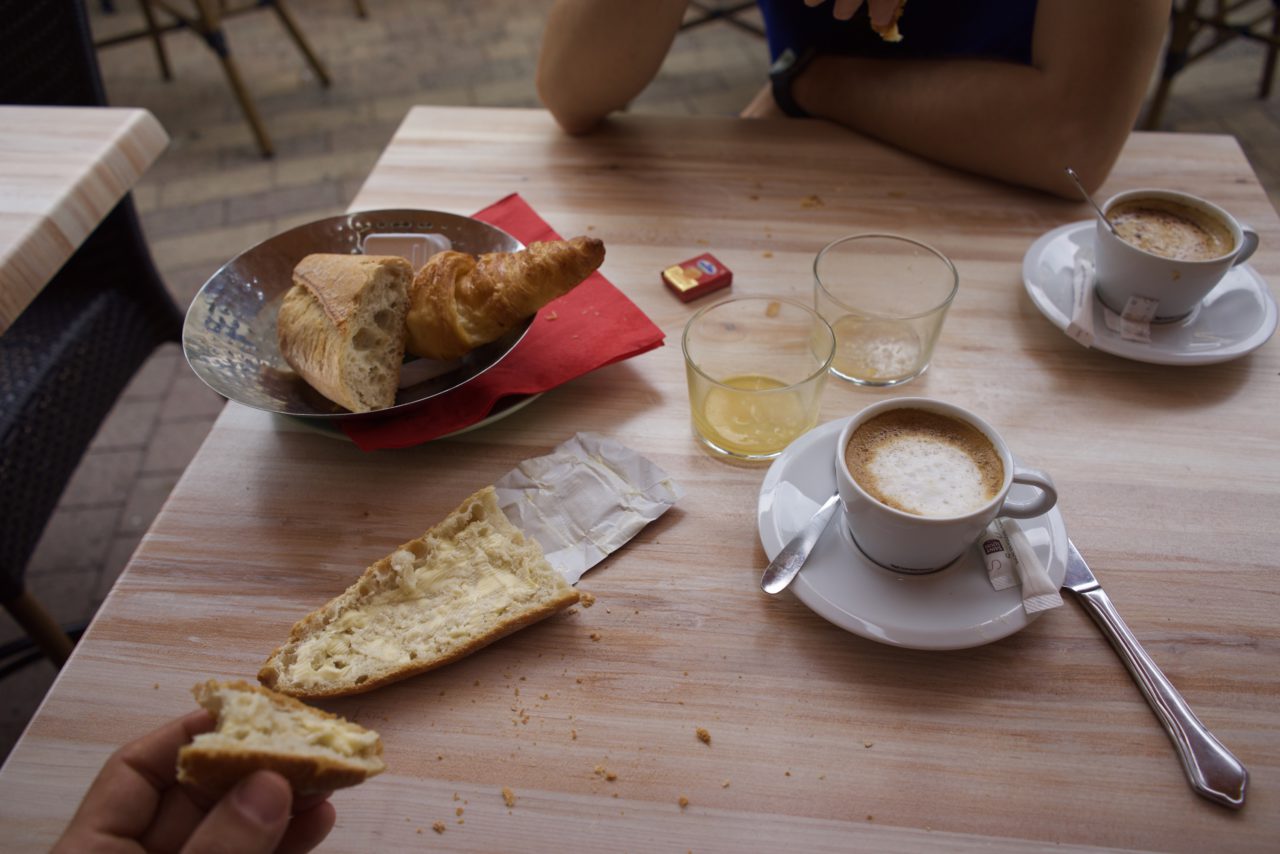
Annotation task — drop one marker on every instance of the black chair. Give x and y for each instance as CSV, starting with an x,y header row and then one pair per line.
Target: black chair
x,y
69,355
1222,22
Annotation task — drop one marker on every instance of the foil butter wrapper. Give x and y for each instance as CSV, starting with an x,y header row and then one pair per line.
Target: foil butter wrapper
x,y
585,500
697,277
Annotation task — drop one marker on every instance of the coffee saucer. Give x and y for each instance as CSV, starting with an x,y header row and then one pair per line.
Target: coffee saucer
x,y
1237,317
953,608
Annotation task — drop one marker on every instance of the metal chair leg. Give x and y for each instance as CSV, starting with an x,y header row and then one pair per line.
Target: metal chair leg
x,y
210,28
41,627
286,19
1181,33
1269,67
153,31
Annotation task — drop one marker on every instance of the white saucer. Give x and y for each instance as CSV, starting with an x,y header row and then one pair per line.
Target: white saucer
x,y
1237,317
953,608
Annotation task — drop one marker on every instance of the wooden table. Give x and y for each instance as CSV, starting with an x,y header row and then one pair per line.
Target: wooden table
x,y
62,169
820,740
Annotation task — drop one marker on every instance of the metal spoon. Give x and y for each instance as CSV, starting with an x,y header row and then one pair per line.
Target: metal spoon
x,y
1075,179
786,564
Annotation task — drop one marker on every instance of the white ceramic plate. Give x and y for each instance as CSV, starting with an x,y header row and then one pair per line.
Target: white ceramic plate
x,y
953,608
1237,317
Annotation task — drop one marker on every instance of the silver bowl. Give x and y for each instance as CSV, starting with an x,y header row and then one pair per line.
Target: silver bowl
x,y
229,337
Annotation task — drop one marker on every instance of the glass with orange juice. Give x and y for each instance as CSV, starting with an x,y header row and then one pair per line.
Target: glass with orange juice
x,y
756,368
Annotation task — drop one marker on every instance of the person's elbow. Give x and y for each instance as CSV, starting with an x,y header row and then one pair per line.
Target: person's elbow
x,y
564,107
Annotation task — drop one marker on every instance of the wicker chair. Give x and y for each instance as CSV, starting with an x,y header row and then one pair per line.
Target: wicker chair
x,y
69,355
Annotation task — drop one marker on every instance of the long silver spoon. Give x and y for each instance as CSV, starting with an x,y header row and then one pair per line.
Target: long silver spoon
x,y
1075,179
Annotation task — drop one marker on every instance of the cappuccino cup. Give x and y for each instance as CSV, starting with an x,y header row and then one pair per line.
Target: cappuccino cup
x,y
920,480
1170,251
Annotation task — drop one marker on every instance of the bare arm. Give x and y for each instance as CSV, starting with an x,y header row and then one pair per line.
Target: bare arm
x,y
1074,105
599,54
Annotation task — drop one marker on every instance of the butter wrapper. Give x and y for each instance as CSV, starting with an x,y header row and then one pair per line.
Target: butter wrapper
x,y
584,500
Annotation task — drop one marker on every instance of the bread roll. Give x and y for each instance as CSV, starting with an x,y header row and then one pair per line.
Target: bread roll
x,y
459,302
260,729
468,581
341,326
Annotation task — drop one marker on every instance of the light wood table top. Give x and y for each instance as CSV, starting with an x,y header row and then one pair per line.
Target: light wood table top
x,y
62,169
820,740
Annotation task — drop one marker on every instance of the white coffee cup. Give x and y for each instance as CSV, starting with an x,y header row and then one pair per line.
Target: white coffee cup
x,y
916,544
1128,276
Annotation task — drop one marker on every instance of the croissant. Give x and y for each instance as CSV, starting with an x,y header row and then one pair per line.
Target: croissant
x,y
458,302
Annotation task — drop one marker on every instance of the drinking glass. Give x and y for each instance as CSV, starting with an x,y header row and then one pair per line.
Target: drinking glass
x,y
885,297
756,368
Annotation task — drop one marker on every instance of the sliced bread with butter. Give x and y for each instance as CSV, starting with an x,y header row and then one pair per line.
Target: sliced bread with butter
x,y
467,582
259,729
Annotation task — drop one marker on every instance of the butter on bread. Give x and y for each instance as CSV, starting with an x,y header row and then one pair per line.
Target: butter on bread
x,y
260,729
341,326
458,302
467,582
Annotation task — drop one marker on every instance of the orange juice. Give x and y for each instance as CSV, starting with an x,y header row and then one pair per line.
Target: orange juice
x,y
752,415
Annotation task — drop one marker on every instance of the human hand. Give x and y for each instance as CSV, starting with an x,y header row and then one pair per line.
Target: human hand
x,y
881,11
137,804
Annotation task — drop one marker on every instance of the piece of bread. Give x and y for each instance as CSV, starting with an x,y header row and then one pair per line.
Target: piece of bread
x,y
889,30
259,729
468,581
341,326
458,302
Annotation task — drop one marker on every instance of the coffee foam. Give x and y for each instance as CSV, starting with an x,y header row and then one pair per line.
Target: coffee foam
x,y
1170,229
924,463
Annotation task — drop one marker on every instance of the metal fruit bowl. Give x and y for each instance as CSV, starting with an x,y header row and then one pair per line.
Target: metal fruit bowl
x,y
230,333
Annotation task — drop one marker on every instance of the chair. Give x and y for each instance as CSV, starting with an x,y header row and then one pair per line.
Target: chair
x,y
707,13
68,356
205,20
1228,20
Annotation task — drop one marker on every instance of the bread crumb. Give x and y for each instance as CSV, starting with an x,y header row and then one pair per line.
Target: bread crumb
x,y
573,735
551,315
867,743
462,821
578,680
586,599
869,817
155,687
572,611
439,758
546,696
508,797
813,201
595,636
455,796
419,831
788,774
610,776
684,802
725,784
703,735
458,811
438,827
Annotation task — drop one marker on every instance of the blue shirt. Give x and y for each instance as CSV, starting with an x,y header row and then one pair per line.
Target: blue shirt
x,y
985,29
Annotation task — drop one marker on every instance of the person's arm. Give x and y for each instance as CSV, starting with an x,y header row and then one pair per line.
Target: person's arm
x,y
599,54
1073,106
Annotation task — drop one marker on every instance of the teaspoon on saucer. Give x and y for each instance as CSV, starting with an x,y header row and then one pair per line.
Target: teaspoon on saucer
x,y
785,566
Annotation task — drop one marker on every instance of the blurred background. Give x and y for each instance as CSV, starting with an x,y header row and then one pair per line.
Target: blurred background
x,y
213,194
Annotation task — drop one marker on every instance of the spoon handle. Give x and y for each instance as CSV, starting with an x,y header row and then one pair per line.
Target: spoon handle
x,y
784,566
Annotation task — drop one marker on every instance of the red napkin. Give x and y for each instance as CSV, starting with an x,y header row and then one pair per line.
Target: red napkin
x,y
591,326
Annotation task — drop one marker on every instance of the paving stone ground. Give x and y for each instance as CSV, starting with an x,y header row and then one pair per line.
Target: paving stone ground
x,y
211,195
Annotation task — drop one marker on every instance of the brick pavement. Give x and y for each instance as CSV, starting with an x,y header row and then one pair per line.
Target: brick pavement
x,y
211,195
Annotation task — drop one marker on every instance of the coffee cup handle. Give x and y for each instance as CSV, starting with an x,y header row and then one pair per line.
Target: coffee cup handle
x,y
1248,243
1037,506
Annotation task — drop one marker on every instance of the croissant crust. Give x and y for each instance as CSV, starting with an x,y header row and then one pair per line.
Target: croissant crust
x,y
458,302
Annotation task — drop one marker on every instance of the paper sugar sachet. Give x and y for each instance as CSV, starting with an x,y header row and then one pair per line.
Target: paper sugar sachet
x,y
1011,559
584,500
1083,279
